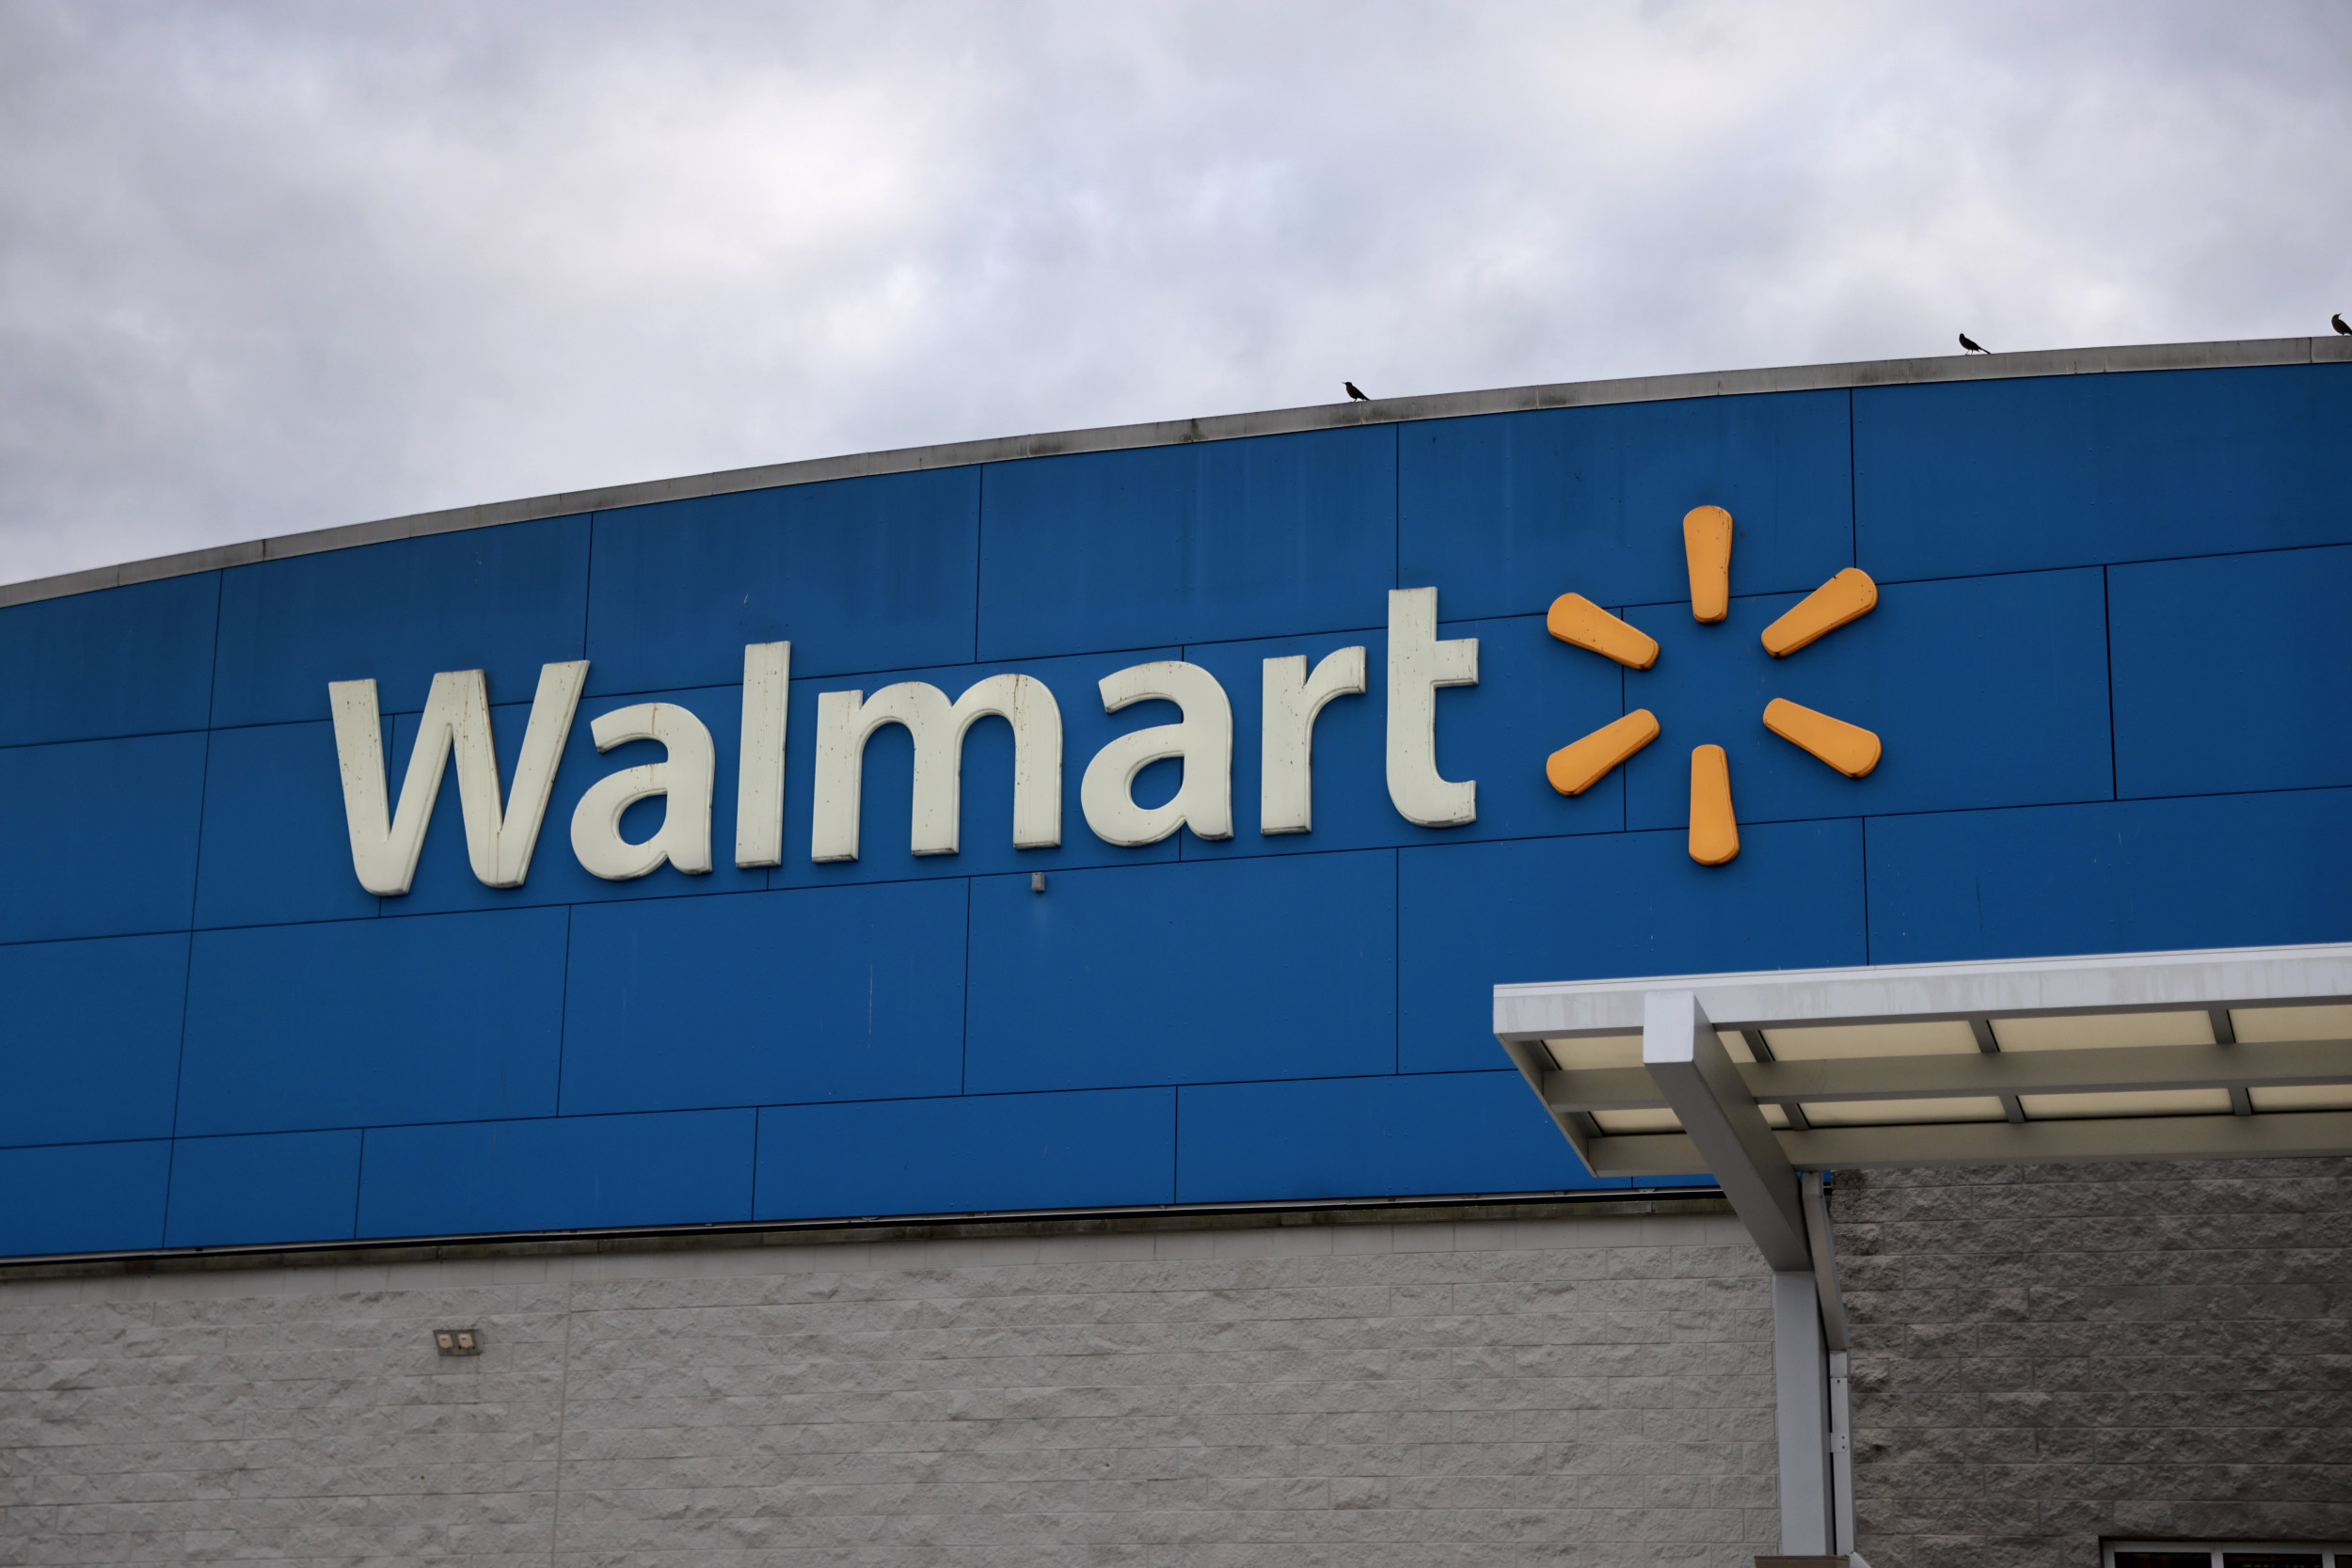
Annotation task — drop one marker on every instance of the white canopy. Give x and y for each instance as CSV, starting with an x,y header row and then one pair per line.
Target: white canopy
x,y
2217,1054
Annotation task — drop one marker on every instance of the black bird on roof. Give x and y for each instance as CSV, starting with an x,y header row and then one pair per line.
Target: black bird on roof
x,y
1355,393
1972,345
2336,321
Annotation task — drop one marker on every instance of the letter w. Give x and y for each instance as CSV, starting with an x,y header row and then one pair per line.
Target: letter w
x,y
846,720
456,717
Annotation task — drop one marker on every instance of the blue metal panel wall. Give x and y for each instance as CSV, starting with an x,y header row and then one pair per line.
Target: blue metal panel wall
x,y
2109,663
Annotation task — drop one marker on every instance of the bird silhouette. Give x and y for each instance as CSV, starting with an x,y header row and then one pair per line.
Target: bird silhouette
x,y
2336,321
1972,345
1355,393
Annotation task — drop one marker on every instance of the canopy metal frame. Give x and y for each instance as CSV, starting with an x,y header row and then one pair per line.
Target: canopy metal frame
x,y
1772,1174
1981,994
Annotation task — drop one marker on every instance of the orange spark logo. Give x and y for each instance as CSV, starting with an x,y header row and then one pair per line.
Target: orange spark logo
x,y
1707,548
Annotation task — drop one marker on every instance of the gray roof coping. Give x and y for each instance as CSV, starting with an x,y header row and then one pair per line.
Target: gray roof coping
x,y
1222,427
1465,1209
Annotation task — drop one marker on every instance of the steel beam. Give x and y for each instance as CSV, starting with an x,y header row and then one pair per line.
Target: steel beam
x,y
1723,1125
2270,1134
1824,1253
1861,1078
1533,1061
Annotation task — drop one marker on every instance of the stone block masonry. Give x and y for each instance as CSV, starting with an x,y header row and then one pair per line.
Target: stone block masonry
x,y
1579,1384
2048,1357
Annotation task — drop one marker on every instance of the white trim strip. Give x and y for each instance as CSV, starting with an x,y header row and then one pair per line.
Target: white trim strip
x,y
2122,982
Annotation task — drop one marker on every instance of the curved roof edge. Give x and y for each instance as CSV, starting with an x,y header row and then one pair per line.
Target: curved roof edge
x,y
1223,427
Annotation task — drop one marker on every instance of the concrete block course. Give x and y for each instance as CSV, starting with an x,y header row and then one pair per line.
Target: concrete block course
x,y
2044,1357
1584,1388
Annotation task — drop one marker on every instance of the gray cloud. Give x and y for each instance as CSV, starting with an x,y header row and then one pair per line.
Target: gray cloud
x,y
272,267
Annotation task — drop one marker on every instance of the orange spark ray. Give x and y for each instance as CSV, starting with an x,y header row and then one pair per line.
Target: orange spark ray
x,y
1848,596
1581,764
1576,620
1706,550
1714,831
1849,748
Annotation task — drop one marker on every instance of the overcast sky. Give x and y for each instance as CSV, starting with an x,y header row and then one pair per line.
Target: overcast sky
x,y
274,267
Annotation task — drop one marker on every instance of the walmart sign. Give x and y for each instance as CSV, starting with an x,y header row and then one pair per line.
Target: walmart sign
x,y
499,838
501,834
731,910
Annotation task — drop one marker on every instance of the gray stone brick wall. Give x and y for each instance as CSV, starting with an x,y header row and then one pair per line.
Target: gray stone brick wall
x,y
1574,1388
2048,1357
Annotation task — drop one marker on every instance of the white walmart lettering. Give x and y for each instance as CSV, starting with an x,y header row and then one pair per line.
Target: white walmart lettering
x,y
500,835
456,717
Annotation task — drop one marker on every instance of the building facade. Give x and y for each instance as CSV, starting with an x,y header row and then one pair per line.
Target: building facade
x,y
939,1007
2050,1359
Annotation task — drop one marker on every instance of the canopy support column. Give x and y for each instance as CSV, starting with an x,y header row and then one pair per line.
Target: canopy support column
x,y
1801,1383
1696,1074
